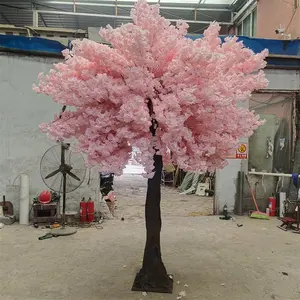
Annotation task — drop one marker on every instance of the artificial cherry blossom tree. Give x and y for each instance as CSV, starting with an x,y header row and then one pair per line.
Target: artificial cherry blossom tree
x,y
158,91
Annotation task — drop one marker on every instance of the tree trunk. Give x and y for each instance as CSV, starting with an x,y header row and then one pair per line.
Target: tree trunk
x,y
153,276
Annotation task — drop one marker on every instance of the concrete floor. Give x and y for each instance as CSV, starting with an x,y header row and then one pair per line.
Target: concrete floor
x,y
216,259
131,191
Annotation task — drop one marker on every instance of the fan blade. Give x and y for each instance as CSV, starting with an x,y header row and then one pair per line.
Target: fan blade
x,y
73,175
52,174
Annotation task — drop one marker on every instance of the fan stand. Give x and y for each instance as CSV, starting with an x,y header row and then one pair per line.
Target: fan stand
x,y
63,230
64,170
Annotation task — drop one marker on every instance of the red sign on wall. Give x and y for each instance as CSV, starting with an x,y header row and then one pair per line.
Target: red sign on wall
x,y
242,151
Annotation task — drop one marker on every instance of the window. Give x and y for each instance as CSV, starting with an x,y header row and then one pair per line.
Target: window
x,y
247,26
254,22
240,29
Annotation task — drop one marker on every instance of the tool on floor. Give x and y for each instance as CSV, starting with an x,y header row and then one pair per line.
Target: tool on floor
x,y
47,236
256,214
237,224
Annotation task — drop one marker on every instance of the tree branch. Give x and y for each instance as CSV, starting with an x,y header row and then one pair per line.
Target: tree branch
x,y
154,123
62,111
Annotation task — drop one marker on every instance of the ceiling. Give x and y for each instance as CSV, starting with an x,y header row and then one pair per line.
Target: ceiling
x,y
99,13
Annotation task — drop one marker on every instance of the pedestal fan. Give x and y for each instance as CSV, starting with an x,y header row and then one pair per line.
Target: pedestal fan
x,y
63,171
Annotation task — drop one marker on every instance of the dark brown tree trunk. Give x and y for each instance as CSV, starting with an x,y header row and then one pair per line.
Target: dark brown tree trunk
x,y
153,276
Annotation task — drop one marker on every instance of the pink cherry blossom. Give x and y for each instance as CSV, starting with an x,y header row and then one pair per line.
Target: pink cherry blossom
x,y
195,88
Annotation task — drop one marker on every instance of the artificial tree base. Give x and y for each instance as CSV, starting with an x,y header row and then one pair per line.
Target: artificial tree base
x,y
143,283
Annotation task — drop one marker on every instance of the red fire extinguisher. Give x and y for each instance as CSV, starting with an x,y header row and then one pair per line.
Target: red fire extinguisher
x,y
272,206
83,210
90,210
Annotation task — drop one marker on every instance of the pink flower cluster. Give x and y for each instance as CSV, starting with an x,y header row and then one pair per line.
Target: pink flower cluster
x,y
195,87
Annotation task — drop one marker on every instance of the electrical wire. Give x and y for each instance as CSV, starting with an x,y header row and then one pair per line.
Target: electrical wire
x,y
198,12
95,11
277,185
271,98
264,104
200,29
13,183
292,18
280,180
287,2
263,184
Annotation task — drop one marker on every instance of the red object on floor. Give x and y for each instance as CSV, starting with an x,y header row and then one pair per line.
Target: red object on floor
x,y
90,211
272,206
45,197
83,211
287,223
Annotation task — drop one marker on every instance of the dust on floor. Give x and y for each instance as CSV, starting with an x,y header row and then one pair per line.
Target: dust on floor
x,y
216,259
131,190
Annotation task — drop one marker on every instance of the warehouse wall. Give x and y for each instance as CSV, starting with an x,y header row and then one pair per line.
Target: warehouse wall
x,y
227,179
227,184
277,111
22,144
277,107
272,13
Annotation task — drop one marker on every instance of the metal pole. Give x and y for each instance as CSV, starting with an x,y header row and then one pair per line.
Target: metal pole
x,y
70,13
64,199
79,3
64,183
241,193
271,174
35,18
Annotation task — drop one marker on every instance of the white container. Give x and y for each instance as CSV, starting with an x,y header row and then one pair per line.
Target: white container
x,y
24,199
282,198
268,211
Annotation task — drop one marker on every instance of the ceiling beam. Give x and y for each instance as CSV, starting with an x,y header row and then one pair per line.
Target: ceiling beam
x,y
82,3
57,12
200,1
43,20
5,18
195,11
242,11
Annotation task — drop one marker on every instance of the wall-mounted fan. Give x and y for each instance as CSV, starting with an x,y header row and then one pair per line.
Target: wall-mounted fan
x,y
63,171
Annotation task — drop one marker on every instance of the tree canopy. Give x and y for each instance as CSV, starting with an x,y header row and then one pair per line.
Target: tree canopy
x,y
152,71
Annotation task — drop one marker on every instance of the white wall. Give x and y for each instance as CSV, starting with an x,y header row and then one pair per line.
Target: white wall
x,y
226,183
22,144
288,80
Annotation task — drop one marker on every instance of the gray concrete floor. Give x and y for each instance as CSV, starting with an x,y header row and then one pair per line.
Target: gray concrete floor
x,y
216,259
131,191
